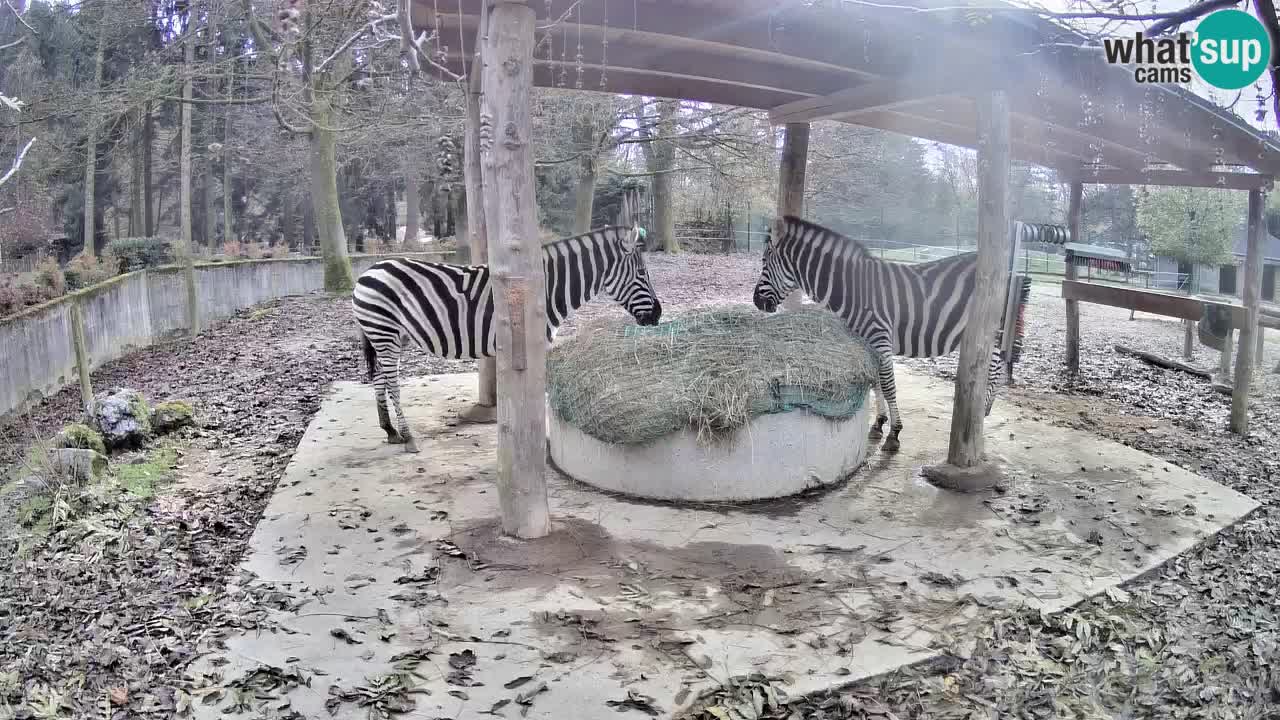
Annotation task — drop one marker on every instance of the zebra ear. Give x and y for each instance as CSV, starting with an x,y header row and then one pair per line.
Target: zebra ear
x,y
633,239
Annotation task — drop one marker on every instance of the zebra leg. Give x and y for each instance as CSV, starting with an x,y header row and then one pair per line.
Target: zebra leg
x,y
883,345
384,417
389,366
994,371
877,430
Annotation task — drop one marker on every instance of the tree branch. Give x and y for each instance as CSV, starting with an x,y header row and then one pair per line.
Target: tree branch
x,y
218,101
368,27
21,19
1267,13
1174,19
407,50
17,163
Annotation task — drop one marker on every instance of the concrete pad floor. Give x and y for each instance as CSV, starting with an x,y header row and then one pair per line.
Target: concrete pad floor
x,y
391,553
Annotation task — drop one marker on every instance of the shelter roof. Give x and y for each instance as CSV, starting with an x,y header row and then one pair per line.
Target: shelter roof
x,y
909,67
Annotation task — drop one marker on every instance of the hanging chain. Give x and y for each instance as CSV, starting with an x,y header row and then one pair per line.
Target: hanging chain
x,y
604,48
562,81
580,65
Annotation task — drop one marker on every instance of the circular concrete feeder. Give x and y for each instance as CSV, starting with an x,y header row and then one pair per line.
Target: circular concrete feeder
x,y
725,405
773,456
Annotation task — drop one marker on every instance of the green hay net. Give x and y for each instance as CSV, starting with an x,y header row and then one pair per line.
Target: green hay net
x,y
711,371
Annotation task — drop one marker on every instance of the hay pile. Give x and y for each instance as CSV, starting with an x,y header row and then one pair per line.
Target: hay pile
x,y
710,371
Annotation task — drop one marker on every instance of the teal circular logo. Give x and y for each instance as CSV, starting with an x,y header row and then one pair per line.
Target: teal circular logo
x,y
1231,49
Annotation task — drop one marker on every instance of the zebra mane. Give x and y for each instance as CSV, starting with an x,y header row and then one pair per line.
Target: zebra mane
x,y
614,233
794,227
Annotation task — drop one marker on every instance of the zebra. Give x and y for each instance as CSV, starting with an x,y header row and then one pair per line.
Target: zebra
x,y
447,309
915,310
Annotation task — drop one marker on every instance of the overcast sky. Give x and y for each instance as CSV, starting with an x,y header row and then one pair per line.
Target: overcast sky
x,y
1247,103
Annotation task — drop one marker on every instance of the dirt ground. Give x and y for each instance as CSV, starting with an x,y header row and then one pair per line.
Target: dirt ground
x,y
104,613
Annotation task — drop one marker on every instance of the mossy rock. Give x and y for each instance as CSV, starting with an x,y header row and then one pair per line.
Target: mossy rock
x,y
81,437
170,416
124,419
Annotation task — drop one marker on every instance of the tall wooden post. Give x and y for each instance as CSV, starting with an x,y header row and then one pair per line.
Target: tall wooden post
x,y
82,357
791,171
1252,300
511,211
1074,208
966,468
485,410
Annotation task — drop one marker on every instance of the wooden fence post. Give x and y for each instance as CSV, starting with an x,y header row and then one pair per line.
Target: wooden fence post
x,y
486,408
966,467
1074,209
82,356
791,172
516,265
1252,300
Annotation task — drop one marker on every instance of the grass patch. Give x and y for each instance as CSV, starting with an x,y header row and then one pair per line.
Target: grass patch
x,y
142,479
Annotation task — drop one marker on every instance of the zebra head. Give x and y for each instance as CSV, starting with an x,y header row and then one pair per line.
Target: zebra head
x,y
628,282
777,278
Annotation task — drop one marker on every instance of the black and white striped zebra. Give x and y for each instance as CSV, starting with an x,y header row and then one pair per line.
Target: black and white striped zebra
x,y
447,309
916,310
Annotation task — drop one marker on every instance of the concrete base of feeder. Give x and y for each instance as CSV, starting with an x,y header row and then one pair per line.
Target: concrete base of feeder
x,y
773,456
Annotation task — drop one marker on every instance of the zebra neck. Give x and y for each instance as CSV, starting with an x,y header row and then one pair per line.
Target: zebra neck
x,y
586,263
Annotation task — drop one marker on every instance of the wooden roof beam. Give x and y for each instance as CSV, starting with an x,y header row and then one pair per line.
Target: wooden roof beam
x,y
1173,178
1033,133
637,82
879,94
962,136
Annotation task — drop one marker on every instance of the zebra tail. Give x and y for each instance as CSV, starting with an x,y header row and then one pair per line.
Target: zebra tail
x,y
370,355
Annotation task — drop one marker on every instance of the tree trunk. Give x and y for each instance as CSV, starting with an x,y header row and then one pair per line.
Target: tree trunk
x,y
184,193
136,211
308,225
412,198
148,207
91,145
210,214
338,276
662,156
228,211
585,194
289,221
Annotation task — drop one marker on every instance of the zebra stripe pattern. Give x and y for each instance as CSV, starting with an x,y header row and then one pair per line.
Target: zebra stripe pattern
x,y
917,310
448,309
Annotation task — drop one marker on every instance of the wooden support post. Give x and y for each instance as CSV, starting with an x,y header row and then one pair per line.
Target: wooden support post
x,y
1261,349
1010,329
1074,209
511,215
1252,301
82,356
486,408
1224,360
1188,339
791,172
966,468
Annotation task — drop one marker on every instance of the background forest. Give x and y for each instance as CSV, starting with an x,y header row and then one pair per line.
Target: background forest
x,y
233,129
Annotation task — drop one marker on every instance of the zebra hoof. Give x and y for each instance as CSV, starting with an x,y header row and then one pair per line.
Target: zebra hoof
x,y
410,446
890,445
